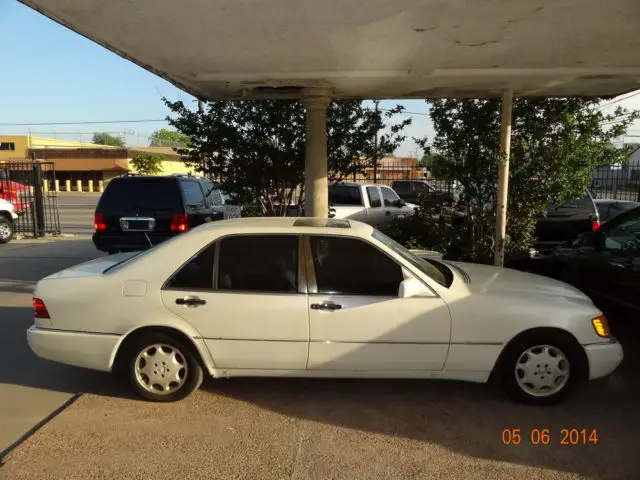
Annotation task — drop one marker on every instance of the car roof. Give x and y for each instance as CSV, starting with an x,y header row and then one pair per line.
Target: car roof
x,y
357,184
296,225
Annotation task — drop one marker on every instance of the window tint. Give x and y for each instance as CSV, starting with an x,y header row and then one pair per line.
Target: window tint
x,y
212,192
580,205
625,235
374,197
197,274
129,194
345,195
353,267
389,196
259,263
192,193
402,188
422,187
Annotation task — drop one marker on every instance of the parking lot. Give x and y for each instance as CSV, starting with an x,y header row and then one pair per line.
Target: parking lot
x,y
289,428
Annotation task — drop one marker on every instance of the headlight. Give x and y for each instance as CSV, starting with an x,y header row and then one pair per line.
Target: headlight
x,y
601,326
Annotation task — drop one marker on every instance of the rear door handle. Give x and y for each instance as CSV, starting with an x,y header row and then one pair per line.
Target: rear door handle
x,y
325,306
190,301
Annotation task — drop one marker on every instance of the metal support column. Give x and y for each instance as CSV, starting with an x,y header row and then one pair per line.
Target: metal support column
x,y
316,187
503,178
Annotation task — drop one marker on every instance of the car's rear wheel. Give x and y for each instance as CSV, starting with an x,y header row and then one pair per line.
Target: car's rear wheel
x,y
542,368
162,369
6,229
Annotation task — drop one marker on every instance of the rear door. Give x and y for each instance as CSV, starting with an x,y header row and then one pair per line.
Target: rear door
x,y
147,199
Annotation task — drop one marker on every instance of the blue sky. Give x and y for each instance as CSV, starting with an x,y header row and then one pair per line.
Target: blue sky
x,y
51,74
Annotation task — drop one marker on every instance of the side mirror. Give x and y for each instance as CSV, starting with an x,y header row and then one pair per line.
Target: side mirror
x,y
413,287
399,203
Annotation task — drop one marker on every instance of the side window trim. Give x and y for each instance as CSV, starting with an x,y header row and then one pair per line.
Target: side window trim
x,y
312,283
302,271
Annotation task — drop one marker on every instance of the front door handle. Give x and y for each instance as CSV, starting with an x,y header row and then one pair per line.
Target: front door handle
x,y
190,301
325,306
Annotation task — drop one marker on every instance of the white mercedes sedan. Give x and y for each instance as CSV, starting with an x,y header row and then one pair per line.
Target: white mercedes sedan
x,y
308,297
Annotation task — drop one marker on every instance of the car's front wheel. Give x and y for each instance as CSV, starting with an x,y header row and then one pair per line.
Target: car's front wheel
x,y
542,369
162,369
6,229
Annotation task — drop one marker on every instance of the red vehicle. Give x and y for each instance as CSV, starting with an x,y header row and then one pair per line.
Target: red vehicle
x,y
10,191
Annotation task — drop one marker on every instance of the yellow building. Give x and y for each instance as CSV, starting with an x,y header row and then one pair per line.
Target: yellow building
x,y
84,161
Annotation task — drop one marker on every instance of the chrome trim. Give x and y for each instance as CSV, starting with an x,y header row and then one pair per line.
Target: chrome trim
x,y
302,270
58,330
150,221
312,284
372,342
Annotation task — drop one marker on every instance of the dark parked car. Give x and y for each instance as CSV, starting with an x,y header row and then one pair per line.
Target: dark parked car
x,y
605,264
565,222
137,212
411,190
608,209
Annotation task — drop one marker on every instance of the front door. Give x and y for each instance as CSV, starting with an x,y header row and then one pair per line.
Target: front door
x,y
358,322
392,204
251,307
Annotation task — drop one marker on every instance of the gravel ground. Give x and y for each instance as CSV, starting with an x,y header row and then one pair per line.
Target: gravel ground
x,y
342,429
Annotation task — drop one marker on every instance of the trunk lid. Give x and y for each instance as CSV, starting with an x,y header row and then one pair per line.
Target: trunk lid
x,y
93,267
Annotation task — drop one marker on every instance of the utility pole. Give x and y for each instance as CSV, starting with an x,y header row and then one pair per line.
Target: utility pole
x,y
375,143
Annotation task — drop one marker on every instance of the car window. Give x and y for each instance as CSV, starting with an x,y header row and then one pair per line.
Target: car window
x,y
374,197
625,235
126,194
389,197
580,205
611,209
351,266
345,195
402,188
422,187
197,273
212,193
192,194
259,263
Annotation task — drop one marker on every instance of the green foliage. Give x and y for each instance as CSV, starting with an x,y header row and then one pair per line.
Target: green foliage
x,y
258,147
556,143
104,138
168,138
147,163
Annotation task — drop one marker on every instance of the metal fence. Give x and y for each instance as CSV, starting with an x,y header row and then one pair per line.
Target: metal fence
x,y
621,182
28,185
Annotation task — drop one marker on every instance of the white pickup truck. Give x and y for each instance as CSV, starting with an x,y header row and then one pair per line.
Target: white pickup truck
x,y
367,202
7,218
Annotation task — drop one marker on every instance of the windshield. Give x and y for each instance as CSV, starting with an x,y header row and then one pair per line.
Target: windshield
x,y
424,266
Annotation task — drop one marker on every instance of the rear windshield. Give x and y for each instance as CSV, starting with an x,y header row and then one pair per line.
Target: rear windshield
x,y
157,194
584,204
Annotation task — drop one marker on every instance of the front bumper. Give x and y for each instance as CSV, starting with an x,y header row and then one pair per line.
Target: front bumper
x,y
603,358
89,350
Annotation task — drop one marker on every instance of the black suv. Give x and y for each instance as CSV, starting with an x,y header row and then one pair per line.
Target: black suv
x,y
411,190
137,212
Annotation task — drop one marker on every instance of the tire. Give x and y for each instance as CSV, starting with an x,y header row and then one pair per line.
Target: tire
x,y
6,229
548,384
162,352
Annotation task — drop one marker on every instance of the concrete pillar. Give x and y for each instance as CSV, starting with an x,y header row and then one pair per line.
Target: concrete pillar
x,y
503,178
56,185
45,186
79,185
316,190
100,186
67,185
90,185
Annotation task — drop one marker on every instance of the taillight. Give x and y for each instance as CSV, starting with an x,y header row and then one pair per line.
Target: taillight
x,y
39,309
99,222
595,224
179,222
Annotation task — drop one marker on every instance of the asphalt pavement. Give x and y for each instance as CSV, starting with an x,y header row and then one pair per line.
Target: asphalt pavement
x,y
76,212
32,388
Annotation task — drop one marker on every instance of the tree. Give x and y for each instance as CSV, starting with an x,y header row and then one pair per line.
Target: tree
x,y
258,147
168,138
104,138
147,163
556,143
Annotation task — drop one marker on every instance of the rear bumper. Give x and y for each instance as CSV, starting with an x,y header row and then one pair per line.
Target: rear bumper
x,y
89,350
127,242
603,358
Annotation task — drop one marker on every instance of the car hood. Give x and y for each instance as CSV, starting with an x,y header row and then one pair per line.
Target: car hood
x,y
505,281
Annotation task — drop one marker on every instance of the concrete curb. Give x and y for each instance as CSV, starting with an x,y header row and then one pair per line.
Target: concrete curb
x,y
38,426
53,237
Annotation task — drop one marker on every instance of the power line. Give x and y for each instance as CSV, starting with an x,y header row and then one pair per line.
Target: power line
x,y
78,123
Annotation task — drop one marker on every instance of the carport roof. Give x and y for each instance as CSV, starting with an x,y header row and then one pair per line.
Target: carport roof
x,y
231,49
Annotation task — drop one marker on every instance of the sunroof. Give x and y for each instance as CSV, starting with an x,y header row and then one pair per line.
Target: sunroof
x,y
322,222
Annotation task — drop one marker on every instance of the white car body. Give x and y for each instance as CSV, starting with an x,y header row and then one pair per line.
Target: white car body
x,y
7,208
427,331
381,213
